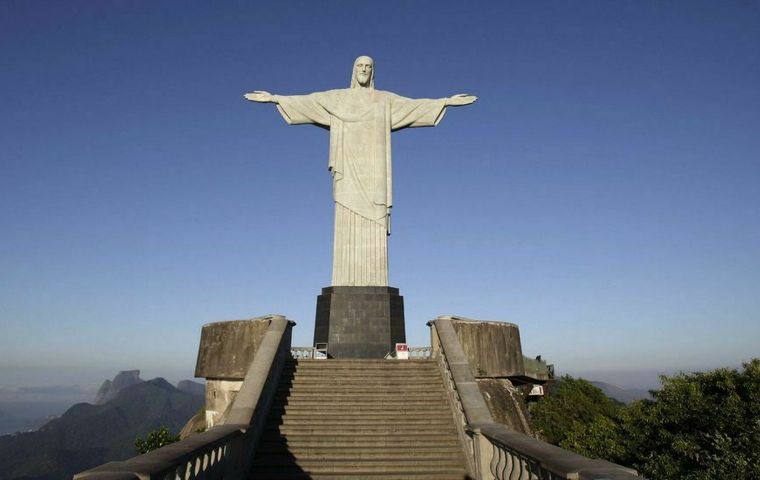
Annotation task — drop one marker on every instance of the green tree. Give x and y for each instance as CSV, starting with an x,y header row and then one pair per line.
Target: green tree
x,y
698,426
571,405
155,439
601,438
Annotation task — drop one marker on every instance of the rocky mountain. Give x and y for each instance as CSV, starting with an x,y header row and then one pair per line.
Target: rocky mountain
x,y
111,388
87,435
623,395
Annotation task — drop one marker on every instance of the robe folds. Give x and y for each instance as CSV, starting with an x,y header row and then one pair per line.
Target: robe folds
x,y
360,121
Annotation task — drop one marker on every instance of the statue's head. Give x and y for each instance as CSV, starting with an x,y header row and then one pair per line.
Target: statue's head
x,y
364,73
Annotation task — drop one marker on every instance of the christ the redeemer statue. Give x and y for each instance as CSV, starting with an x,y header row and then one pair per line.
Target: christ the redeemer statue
x,y
361,120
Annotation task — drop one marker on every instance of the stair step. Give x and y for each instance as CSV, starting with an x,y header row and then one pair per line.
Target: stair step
x,y
361,379
361,386
380,465
359,429
347,372
390,391
370,369
356,407
352,410
294,473
325,387
359,421
384,366
285,457
358,379
386,394
369,440
417,401
343,398
360,361
368,419
379,412
299,450
277,457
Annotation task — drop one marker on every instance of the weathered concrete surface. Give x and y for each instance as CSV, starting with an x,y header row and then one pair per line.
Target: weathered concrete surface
x,y
506,404
359,322
224,358
537,370
493,349
195,425
219,396
227,348
267,363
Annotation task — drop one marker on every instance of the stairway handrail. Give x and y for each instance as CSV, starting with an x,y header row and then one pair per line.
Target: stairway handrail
x,y
492,450
226,450
464,396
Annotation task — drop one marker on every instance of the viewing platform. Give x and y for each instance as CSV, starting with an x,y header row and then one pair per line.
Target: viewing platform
x,y
296,417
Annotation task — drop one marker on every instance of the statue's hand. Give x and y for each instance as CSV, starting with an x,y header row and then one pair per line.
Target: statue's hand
x,y
460,99
259,96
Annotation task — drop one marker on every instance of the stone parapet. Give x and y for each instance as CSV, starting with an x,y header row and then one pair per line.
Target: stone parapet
x,y
227,348
493,349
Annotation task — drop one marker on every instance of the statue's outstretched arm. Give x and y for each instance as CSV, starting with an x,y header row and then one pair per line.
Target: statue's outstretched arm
x,y
460,99
261,96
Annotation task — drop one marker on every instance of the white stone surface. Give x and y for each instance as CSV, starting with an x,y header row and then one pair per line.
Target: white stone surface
x,y
219,396
361,120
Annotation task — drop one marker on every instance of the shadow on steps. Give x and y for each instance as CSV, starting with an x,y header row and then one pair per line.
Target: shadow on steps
x,y
341,419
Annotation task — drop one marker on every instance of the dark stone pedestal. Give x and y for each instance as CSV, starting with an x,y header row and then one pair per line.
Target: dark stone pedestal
x,y
360,322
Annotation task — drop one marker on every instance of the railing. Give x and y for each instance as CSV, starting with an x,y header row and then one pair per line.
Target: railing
x,y
225,451
306,353
420,352
465,399
302,352
504,454
492,450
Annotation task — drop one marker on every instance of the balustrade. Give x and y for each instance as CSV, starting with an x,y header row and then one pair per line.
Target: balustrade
x,y
302,353
492,450
224,451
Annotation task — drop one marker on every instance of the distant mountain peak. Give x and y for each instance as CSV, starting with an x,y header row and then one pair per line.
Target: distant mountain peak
x,y
162,383
94,434
111,388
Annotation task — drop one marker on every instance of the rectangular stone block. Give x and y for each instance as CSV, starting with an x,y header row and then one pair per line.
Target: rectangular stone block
x,y
359,322
493,349
227,348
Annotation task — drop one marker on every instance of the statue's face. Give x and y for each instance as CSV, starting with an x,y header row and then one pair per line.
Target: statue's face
x,y
363,70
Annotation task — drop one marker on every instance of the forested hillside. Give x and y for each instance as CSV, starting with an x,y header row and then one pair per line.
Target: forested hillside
x,y
700,426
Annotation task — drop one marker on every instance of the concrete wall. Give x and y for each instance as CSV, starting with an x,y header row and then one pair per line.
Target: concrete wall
x,y
506,404
226,351
227,348
219,396
492,348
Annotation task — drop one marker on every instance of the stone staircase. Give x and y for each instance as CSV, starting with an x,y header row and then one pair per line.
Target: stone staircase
x,y
369,419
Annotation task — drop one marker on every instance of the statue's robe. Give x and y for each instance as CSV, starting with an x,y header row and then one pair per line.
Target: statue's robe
x,y
361,121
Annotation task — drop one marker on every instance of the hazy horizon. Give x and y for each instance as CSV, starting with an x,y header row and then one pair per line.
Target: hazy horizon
x,y
45,382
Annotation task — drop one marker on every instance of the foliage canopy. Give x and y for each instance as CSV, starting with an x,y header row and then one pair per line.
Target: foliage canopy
x,y
155,439
698,426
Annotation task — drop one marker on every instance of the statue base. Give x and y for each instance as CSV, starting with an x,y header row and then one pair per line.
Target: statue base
x,y
359,322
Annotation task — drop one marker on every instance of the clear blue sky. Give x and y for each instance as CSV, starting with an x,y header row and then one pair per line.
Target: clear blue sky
x,y
604,192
